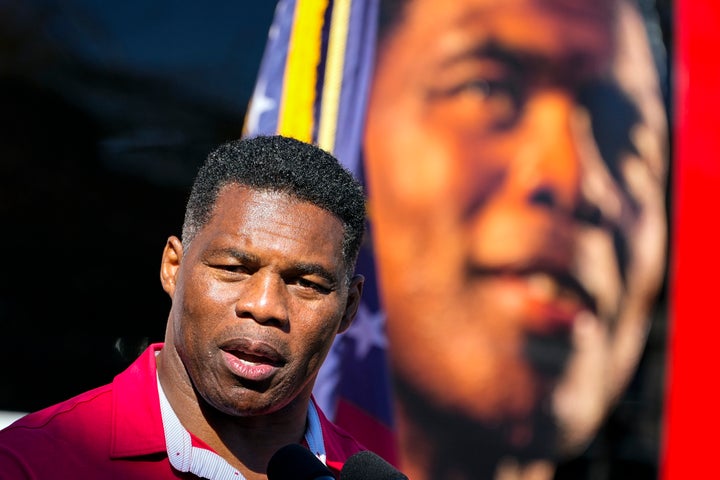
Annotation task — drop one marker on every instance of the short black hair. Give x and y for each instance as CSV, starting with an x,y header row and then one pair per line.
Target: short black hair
x,y
280,164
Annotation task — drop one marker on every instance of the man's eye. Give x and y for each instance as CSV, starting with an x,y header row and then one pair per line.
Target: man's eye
x,y
482,87
233,268
502,97
481,102
305,283
488,89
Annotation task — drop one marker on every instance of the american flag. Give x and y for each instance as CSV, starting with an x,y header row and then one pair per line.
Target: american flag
x,y
313,85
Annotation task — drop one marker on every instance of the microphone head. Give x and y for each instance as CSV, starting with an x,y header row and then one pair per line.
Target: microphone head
x,y
295,462
367,465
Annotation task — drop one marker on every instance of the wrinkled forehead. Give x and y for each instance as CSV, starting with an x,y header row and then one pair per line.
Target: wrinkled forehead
x,y
549,26
598,9
555,15
593,10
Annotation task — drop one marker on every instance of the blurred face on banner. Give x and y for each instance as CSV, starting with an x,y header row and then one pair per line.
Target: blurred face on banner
x,y
516,165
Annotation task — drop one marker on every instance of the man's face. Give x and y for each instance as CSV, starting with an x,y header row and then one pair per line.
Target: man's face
x,y
517,202
257,300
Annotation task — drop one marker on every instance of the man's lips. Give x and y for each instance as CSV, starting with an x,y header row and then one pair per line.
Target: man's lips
x,y
551,286
251,359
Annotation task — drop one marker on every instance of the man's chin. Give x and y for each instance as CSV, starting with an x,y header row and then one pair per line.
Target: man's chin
x,y
531,436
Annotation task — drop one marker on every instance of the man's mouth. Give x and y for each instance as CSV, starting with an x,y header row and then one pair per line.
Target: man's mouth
x,y
560,286
251,360
253,351
555,291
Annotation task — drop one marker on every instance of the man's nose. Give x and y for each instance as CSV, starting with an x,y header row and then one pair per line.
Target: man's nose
x,y
547,168
263,296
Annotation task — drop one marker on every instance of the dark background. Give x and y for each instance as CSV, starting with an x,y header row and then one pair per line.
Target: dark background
x,y
106,111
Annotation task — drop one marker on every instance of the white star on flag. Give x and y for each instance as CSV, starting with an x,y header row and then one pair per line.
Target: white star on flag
x,y
260,104
367,331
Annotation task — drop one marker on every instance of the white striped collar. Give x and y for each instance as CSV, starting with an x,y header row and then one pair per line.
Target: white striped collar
x,y
207,464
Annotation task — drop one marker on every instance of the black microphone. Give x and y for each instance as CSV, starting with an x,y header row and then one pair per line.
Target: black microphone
x,y
295,462
367,465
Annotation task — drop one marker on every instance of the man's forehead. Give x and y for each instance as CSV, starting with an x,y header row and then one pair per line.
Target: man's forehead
x,y
238,198
598,9
257,197
575,31
430,12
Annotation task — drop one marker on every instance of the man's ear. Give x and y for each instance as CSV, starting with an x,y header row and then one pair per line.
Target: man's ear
x,y
170,263
353,302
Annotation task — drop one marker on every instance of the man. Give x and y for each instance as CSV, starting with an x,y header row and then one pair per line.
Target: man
x,y
518,223
260,284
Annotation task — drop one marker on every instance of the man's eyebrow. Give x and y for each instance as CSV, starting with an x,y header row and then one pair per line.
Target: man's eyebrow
x,y
491,49
521,60
238,254
302,268
315,269
225,253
